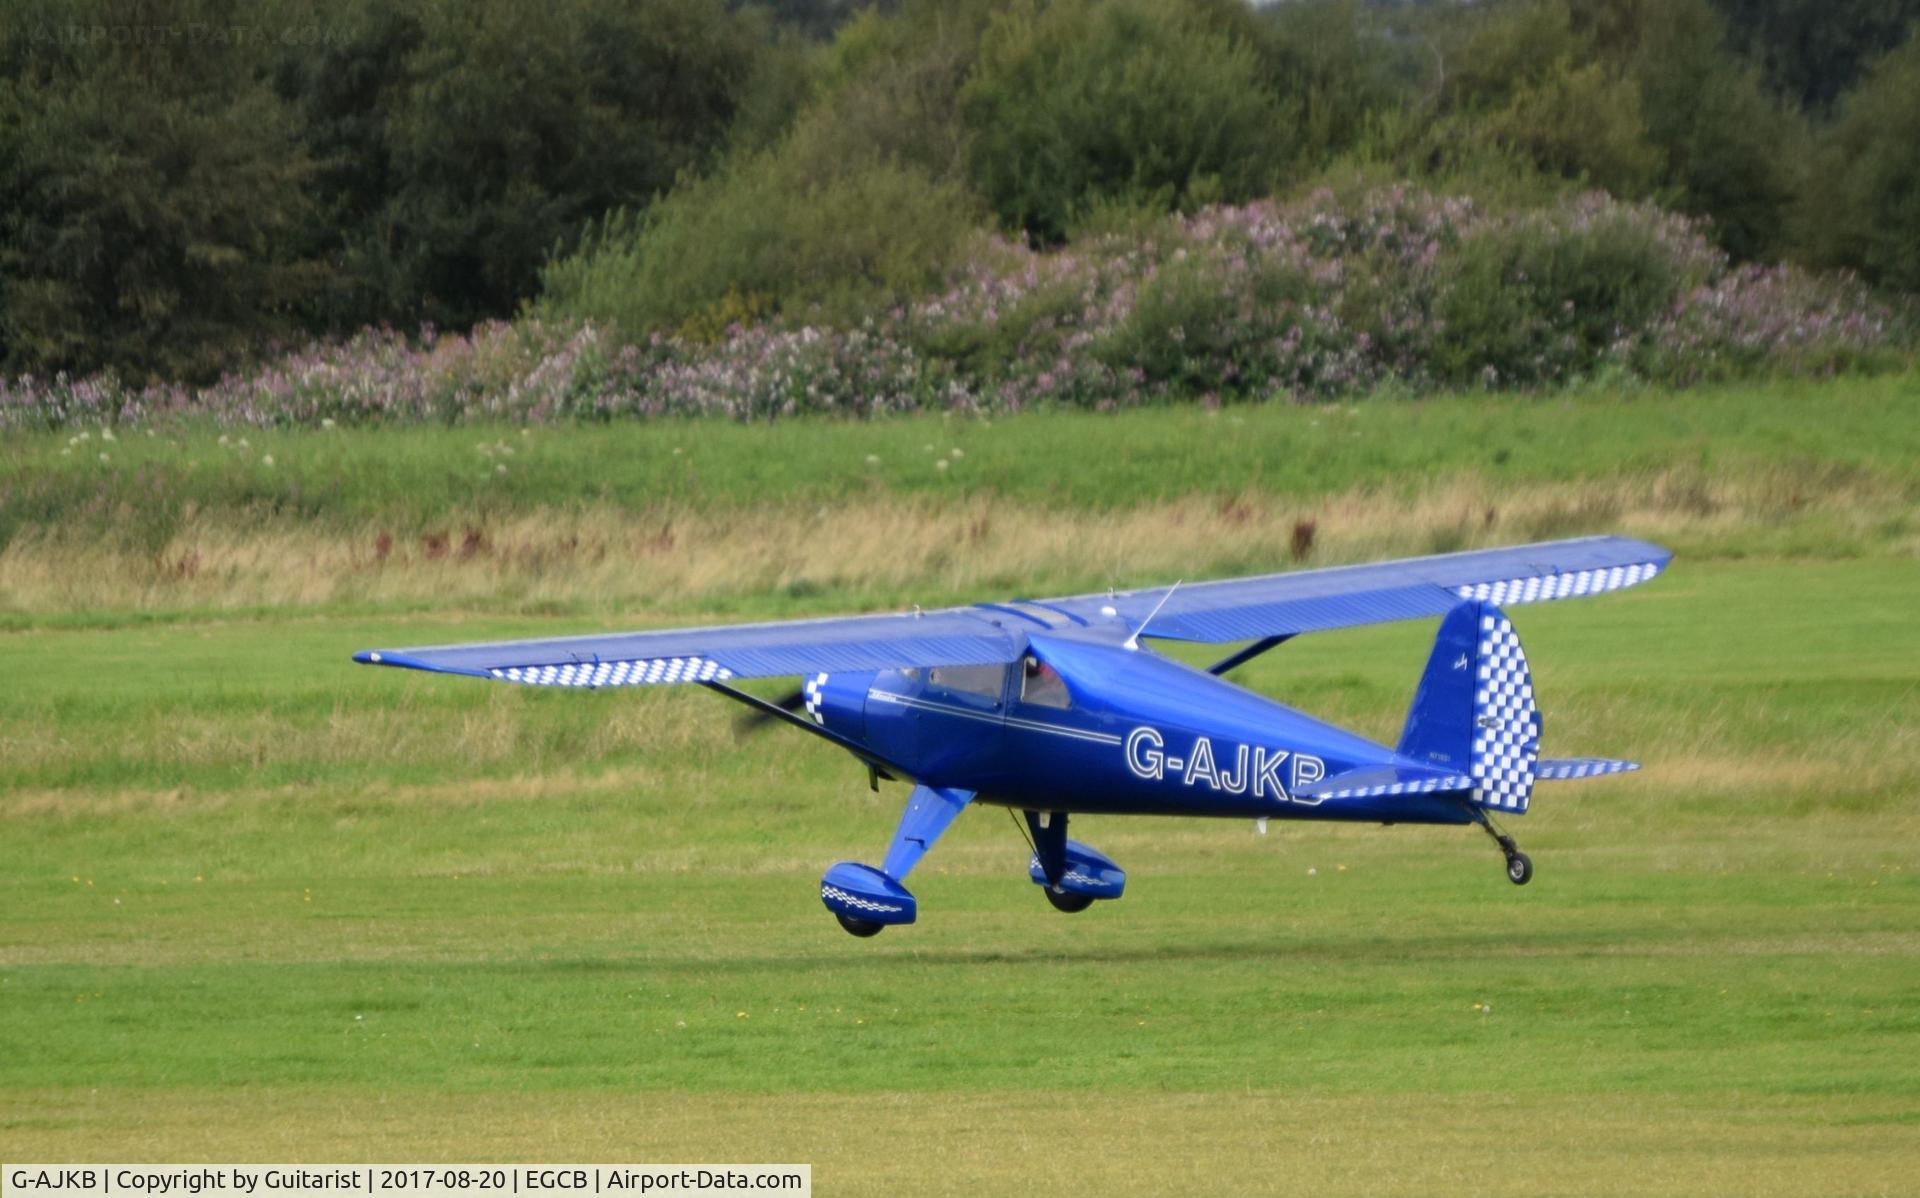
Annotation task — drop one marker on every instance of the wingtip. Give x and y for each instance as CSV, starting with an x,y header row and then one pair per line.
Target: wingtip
x,y
407,661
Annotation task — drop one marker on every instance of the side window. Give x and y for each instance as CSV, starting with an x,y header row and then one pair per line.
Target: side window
x,y
978,682
1042,686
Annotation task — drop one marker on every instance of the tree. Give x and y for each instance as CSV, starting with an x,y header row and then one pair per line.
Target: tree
x,y
464,140
1731,153
1081,101
1814,51
1864,211
150,180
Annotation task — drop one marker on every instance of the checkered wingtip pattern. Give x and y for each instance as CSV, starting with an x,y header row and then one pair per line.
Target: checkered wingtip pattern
x,y
1506,732
1539,588
654,671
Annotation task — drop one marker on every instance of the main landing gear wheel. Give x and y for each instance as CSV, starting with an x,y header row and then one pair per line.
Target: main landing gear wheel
x,y
1519,868
1066,900
862,928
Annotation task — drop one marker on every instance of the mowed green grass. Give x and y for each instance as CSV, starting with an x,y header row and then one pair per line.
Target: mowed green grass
x,y
258,903
143,484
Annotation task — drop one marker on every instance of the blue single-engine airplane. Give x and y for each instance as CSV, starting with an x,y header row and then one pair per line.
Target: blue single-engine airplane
x,y
1055,708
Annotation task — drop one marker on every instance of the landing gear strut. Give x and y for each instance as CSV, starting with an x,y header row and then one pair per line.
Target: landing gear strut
x,y
1519,865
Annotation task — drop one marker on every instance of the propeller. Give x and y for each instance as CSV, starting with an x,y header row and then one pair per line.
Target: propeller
x,y
754,720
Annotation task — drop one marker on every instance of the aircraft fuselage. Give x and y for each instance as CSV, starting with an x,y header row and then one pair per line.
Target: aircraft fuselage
x,y
1132,732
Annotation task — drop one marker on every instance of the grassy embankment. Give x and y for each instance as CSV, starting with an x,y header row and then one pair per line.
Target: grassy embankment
x,y
715,517
257,903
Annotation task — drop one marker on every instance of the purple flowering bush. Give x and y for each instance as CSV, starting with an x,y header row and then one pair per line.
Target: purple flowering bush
x,y
1323,297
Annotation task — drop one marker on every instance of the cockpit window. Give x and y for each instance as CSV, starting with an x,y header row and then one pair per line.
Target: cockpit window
x,y
986,682
1042,686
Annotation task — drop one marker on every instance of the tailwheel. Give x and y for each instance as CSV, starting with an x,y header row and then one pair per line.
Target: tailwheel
x,y
1519,868
862,928
1519,865
1066,900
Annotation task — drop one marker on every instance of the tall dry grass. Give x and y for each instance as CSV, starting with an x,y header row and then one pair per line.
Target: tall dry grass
x,y
888,549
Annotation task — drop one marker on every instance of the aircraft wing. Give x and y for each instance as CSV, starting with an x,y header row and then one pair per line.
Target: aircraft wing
x,y
953,637
1239,609
988,634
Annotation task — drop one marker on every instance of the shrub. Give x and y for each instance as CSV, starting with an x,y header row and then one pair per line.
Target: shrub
x,y
1582,123
1543,296
785,226
1318,298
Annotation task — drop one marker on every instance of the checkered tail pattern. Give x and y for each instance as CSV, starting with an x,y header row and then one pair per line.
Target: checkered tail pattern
x,y
1506,724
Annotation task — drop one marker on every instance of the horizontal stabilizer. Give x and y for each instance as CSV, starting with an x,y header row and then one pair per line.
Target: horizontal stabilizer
x,y
1373,781
1549,769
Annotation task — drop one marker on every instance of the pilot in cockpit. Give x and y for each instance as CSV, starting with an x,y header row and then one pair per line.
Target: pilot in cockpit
x,y
1042,685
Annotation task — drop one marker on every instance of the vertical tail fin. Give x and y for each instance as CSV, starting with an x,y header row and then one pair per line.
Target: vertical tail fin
x,y
1474,710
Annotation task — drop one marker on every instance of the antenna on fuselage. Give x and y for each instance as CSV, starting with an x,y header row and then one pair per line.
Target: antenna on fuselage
x,y
1133,642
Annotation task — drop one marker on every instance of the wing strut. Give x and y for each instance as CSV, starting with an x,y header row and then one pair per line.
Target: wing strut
x,y
1235,660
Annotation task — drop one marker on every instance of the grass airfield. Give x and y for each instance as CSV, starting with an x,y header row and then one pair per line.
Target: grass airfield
x,y
258,903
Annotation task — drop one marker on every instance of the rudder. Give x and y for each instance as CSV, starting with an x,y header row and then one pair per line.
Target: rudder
x,y
1474,710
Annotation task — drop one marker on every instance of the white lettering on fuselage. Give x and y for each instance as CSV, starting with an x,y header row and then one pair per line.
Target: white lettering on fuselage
x,y
1254,767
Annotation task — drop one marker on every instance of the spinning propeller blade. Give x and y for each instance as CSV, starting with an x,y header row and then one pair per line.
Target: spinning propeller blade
x,y
754,721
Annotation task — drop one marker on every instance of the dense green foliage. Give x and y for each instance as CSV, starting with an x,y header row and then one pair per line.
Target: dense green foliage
x,y
180,193
154,195
771,229
1059,116
1082,101
1866,215
177,189
1814,51
463,140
